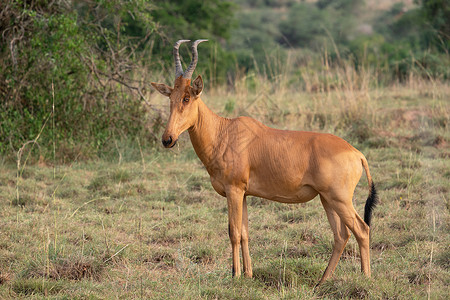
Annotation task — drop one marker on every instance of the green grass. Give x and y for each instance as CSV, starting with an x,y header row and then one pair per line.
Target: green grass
x,y
151,226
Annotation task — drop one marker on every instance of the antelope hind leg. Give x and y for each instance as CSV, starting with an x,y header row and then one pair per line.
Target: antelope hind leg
x,y
358,227
341,235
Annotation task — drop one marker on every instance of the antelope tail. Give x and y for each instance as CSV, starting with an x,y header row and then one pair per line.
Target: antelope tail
x,y
372,200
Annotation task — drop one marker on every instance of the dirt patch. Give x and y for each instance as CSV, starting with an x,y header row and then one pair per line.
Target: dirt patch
x,y
350,253
381,246
295,252
412,115
4,277
161,259
406,117
440,142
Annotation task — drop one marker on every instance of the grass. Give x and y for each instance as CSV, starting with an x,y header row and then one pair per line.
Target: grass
x,y
149,225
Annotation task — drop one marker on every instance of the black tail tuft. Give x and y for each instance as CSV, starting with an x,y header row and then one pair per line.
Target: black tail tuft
x,y
371,202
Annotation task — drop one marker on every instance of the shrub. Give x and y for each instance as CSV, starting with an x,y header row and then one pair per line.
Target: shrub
x,y
67,68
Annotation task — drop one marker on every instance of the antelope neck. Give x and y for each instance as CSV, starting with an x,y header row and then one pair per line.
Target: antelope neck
x,y
207,132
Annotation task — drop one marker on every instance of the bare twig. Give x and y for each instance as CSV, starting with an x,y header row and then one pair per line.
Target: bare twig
x,y
115,254
86,203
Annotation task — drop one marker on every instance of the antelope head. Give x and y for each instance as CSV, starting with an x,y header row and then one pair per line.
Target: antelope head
x,y
183,96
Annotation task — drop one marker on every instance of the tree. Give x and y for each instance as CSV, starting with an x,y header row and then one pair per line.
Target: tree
x,y
72,62
437,16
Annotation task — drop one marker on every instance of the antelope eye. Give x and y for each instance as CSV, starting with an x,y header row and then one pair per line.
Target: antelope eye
x,y
186,99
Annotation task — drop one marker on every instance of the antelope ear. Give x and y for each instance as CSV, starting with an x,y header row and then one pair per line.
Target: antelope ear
x,y
197,86
162,88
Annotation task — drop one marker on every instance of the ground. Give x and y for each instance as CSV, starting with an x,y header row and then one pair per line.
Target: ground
x,y
146,223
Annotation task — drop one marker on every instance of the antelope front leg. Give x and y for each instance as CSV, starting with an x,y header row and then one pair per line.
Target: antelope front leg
x,y
246,261
235,197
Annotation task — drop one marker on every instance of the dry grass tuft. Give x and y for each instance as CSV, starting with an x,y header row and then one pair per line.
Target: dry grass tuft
x,y
75,268
4,277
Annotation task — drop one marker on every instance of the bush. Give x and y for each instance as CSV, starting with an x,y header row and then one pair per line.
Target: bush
x,y
62,73
305,26
66,73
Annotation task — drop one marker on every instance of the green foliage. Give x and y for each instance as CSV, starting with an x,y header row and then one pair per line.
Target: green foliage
x,y
312,26
414,40
75,74
194,19
67,68
47,75
255,41
399,41
349,5
48,51
437,15
305,26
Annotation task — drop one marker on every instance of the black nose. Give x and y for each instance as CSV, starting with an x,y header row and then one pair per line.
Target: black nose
x,y
167,142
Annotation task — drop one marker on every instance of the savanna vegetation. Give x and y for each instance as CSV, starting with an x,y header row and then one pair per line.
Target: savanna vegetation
x,y
92,207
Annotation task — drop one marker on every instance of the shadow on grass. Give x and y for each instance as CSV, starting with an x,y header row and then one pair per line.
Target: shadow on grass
x,y
290,272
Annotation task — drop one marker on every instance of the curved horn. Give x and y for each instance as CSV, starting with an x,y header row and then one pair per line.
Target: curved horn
x,y
176,57
193,64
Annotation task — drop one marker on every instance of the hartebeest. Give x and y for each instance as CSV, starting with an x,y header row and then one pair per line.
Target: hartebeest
x,y
244,157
